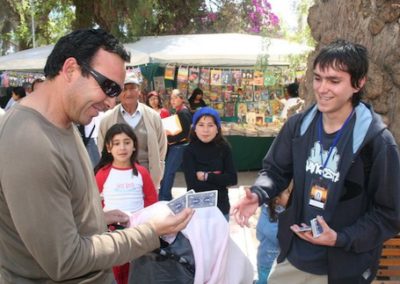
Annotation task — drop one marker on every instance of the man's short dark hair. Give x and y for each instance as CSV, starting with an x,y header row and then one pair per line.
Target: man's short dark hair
x,y
82,45
348,57
293,90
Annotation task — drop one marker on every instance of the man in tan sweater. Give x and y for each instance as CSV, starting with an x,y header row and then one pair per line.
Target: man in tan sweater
x,y
52,227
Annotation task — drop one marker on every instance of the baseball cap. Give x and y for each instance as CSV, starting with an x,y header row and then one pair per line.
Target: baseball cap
x,y
131,78
206,111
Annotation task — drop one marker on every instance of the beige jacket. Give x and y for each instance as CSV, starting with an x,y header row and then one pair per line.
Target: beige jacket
x,y
156,138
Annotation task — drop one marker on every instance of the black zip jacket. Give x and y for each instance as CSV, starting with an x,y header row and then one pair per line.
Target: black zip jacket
x,y
365,207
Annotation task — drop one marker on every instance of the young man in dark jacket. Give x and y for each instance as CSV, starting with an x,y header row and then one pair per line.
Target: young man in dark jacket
x,y
345,167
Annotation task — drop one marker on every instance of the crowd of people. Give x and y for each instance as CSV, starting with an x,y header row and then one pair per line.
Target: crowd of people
x,y
84,180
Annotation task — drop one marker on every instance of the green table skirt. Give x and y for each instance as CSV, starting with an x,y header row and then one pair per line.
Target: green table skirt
x,y
248,152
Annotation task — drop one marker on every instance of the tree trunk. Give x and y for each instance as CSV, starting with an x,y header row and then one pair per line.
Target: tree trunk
x,y
374,24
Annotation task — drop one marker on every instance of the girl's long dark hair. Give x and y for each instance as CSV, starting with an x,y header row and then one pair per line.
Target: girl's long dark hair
x,y
106,157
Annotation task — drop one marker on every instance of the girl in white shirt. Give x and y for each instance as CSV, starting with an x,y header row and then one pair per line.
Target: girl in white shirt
x,y
123,183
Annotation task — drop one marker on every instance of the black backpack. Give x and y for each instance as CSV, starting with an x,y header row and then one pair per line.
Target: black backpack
x,y
171,264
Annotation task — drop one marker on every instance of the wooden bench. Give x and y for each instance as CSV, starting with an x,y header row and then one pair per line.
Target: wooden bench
x,y
389,263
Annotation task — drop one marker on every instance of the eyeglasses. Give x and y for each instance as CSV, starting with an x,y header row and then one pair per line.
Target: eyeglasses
x,y
109,87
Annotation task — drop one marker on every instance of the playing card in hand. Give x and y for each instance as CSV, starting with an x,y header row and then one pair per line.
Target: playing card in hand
x,y
178,204
202,199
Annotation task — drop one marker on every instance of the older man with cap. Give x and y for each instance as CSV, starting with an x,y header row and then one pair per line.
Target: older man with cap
x,y
145,122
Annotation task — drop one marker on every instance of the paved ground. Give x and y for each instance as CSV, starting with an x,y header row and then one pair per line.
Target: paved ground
x,y
244,237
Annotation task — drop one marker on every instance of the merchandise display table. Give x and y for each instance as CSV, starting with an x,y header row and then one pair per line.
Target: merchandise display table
x,y
248,152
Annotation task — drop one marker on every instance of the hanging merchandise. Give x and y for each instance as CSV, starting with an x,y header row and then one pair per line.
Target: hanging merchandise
x,y
159,84
216,79
247,77
247,100
194,78
237,78
226,77
16,78
258,78
183,74
204,79
169,72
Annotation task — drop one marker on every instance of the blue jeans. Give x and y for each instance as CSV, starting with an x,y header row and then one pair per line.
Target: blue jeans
x,y
172,165
268,249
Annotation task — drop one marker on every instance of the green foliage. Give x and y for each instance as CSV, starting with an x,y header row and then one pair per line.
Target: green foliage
x,y
51,18
301,35
128,19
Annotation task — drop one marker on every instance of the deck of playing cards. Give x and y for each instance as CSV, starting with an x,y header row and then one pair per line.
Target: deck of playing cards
x,y
194,199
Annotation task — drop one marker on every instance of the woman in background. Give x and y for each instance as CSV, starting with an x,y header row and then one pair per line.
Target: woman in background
x,y
176,144
154,101
196,100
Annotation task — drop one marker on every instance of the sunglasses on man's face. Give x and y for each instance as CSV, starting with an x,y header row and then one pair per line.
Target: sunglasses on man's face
x,y
109,87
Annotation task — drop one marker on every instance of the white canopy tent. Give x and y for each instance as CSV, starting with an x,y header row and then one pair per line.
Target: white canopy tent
x,y
197,49
217,49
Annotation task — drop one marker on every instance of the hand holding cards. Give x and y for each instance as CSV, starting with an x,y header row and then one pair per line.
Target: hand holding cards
x,y
194,199
315,228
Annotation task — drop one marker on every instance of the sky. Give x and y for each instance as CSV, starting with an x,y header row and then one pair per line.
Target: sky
x,y
285,10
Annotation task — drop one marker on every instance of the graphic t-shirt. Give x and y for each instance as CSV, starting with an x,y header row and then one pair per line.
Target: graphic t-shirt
x,y
123,190
304,255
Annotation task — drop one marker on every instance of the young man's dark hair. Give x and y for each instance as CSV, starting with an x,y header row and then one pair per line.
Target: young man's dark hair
x,y
348,57
82,45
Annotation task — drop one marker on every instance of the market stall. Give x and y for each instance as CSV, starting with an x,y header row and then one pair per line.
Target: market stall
x,y
246,94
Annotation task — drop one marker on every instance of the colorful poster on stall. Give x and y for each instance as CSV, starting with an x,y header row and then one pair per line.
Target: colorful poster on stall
x,y
237,78
194,75
258,78
206,96
159,83
183,73
252,106
265,95
248,92
269,79
215,94
263,107
194,78
257,95
204,77
251,117
229,109
226,77
169,73
216,79
247,77
241,112
183,87
219,107
260,119
275,106
227,92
